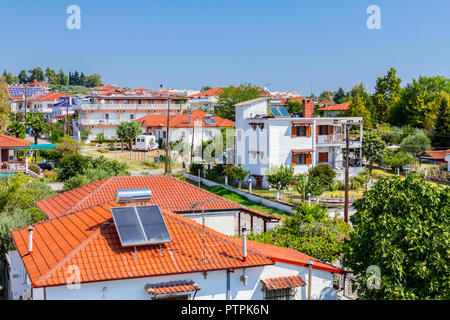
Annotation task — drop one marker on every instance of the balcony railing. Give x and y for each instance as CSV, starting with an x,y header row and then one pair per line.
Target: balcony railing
x,y
14,166
331,138
110,106
102,121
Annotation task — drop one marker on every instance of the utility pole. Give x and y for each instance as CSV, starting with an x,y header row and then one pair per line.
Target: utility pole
x,y
67,114
167,165
347,150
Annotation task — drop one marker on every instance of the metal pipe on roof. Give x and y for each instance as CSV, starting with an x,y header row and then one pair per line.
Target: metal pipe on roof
x,y
30,239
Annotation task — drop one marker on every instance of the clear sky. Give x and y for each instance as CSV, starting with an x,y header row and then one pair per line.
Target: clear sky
x,y
288,44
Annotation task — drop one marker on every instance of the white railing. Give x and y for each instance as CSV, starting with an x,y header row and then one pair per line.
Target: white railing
x,y
101,121
331,138
110,106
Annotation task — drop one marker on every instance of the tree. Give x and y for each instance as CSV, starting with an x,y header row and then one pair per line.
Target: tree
x,y
323,172
235,173
18,219
387,94
128,131
232,95
397,160
17,128
359,105
441,132
308,186
36,74
340,96
415,144
37,123
294,107
373,147
52,76
417,105
5,108
280,178
325,96
100,138
94,80
10,78
204,88
23,78
62,78
84,135
401,227
310,231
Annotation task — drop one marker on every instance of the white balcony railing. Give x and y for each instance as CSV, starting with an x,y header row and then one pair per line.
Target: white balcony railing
x,y
108,106
331,138
101,121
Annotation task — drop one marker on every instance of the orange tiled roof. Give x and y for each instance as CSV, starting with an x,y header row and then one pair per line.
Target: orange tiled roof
x,y
336,107
168,192
89,240
436,154
290,256
51,96
8,141
171,287
182,120
210,92
283,282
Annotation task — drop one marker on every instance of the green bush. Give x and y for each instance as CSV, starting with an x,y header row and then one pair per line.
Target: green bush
x,y
102,150
17,219
323,172
194,167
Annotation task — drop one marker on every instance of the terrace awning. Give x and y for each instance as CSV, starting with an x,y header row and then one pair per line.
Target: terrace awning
x,y
48,146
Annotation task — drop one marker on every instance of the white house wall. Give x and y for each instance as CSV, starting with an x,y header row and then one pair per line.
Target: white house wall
x,y
214,287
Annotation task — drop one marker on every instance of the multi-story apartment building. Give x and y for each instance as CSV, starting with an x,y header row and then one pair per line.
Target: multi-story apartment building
x,y
104,113
264,139
206,100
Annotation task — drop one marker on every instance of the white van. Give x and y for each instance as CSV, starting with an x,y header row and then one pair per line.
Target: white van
x,y
146,143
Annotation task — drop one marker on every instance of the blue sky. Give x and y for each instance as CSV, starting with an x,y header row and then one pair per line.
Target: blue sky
x,y
287,44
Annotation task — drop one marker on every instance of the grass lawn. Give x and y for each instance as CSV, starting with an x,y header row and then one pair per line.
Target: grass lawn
x,y
137,159
230,195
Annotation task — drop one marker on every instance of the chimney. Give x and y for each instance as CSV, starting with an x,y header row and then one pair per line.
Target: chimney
x,y
30,239
244,244
308,108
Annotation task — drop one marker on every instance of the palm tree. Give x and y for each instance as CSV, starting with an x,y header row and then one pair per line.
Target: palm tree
x,y
18,129
37,123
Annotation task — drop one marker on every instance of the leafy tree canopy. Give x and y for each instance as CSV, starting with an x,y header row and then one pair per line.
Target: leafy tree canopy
x,y
232,95
403,228
280,177
416,144
128,131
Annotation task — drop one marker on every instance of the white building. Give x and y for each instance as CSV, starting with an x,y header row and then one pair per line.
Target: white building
x,y
105,112
303,142
206,100
192,127
82,257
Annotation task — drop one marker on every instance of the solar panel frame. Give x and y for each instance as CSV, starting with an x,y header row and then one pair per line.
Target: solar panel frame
x,y
210,121
275,112
283,111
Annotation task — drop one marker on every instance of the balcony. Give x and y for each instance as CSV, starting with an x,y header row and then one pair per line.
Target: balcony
x,y
331,138
113,122
130,107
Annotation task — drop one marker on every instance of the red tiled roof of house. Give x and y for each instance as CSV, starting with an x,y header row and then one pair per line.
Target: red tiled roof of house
x,y
168,192
210,92
336,107
141,89
171,287
182,120
38,83
51,97
283,282
88,239
8,141
436,154
290,256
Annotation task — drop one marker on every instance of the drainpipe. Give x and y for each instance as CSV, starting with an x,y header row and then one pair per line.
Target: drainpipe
x,y
310,263
244,277
30,239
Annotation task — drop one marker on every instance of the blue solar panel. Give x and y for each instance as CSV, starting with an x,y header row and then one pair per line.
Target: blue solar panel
x,y
155,228
209,121
275,112
128,226
142,225
283,112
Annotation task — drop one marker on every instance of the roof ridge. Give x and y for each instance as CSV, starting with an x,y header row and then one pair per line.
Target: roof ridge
x,y
108,180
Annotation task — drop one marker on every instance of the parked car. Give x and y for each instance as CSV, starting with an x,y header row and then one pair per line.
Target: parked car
x,y
48,165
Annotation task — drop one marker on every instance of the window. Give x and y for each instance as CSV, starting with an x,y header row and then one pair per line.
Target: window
x,y
280,294
107,116
323,130
131,116
301,131
301,158
323,157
